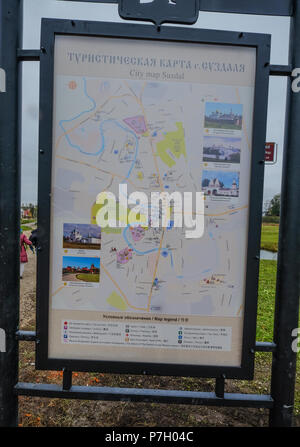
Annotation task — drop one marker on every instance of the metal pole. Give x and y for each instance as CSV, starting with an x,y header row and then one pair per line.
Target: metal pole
x,y
288,269
9,213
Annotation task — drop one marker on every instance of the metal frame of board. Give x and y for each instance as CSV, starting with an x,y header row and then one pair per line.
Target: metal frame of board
x,y
261,43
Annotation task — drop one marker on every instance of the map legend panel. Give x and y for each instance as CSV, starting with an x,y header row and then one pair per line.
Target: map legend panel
x,y
147,335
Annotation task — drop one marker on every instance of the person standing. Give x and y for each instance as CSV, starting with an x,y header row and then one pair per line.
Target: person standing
x,y
34,239
23,255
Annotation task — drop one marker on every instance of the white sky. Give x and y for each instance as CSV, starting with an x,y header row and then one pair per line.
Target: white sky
x,y
34,10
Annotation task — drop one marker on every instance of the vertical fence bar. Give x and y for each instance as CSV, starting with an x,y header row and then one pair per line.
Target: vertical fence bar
x,y
67,379
220,387
9,212
288,269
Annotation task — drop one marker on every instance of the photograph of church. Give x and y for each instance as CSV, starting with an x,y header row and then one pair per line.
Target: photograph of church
x,y
80,269
220,115
81,236
219,183
222,149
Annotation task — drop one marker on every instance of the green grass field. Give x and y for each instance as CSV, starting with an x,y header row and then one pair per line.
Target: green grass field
x,y
265,317
266,300
88,277
27,221
269,237
26,228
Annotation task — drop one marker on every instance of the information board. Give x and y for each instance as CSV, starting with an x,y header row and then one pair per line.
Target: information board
x,y
148,116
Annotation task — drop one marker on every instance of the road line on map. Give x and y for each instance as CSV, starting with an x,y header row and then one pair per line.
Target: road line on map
x,y
93,114
155,270
227,212
146,123
239,311
156,167
116,284
58,290
99,169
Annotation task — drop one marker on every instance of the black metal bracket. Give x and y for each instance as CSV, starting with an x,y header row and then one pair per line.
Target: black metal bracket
x,y
265,346
26,335
28,55
160,11
280,70
67,379
220,387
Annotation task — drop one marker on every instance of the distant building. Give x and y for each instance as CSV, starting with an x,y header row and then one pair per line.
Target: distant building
x,y
94,269
26,213
226,118
91,270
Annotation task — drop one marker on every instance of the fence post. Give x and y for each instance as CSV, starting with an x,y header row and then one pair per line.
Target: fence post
x,y
288,268
9,212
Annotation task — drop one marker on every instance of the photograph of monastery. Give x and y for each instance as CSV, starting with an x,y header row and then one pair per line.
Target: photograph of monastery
x,y
220,183
222,150
81,236
219,115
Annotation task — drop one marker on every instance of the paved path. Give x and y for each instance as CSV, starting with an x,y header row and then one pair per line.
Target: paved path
x,y
70,277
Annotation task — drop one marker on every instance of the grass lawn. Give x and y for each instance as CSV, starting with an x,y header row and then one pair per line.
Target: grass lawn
x,y
269,237
27,221
265,317
88,277
26,228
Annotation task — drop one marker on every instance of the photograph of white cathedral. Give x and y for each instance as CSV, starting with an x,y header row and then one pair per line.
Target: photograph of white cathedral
x,y
81,236
221,149
220,183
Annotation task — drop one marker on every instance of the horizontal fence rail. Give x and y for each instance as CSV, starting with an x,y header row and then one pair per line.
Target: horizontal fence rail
x,y
259,346
257,7
144,395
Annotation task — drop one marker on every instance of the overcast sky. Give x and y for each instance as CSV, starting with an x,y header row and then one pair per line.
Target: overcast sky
x,y
34,10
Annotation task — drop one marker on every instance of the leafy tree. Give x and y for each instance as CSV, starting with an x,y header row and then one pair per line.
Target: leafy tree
x,y
266,207
274,207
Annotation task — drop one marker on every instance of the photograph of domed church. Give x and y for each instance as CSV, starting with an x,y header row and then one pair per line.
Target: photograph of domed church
x,y
81,236
220,183
219,115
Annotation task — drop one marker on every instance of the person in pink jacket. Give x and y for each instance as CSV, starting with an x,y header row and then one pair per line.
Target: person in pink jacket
x,y
23,254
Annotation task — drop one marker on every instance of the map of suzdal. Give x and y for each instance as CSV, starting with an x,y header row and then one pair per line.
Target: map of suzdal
x,y
149,136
